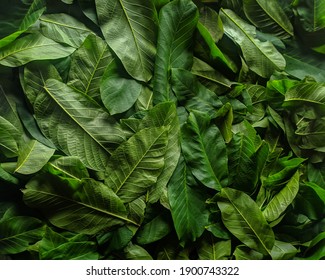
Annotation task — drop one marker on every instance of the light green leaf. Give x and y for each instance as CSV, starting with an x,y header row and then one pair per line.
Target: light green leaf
x,y
282,199
243,218
268,16
33,155
129,28
261,57
283,251
136,252
210,249
187,204
9,138
205,151
7,177
88,65
177,22
32,47
17,233
63,28
89,209
76,124
23,14
164,114
136,164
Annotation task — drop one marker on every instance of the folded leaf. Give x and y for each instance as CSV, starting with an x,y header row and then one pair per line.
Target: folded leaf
x,y
136,164
261,57
76,124
177,22
129,28
243,218
32,47
88,209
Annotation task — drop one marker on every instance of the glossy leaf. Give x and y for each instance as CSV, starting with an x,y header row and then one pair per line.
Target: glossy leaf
x,y
32,47
243,218
130,30
177,22
136,164
78,117
261,57
88,209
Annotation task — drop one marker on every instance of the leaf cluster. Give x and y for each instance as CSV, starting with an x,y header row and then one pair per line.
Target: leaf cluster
x,y
162,129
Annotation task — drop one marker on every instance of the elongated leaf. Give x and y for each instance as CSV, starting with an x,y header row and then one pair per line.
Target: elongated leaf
x,y
164,114
261,57
33,155
136,164
89,9
282,199
79,127
32,47
63,28
89,209
22,13
17,233
129,28
88,64
269,16
177,22
210,249
243,218
205,151
244,253
187,205
118,92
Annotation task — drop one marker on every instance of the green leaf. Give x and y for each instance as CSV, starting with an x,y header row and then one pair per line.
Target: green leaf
x,y
88,65
63,28
74,123
9,138
33,155
55,246
268,16
187,204
164,114
136,252
244,253
89,209
177,22
89,9
210,249
17,233
243,218
155,230
7,177
283,251
130,30
205,151
119,92
261,57
32,47
136,164
23,14
282,199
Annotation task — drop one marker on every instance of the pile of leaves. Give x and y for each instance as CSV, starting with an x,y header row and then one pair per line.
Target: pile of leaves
x,y
156,129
